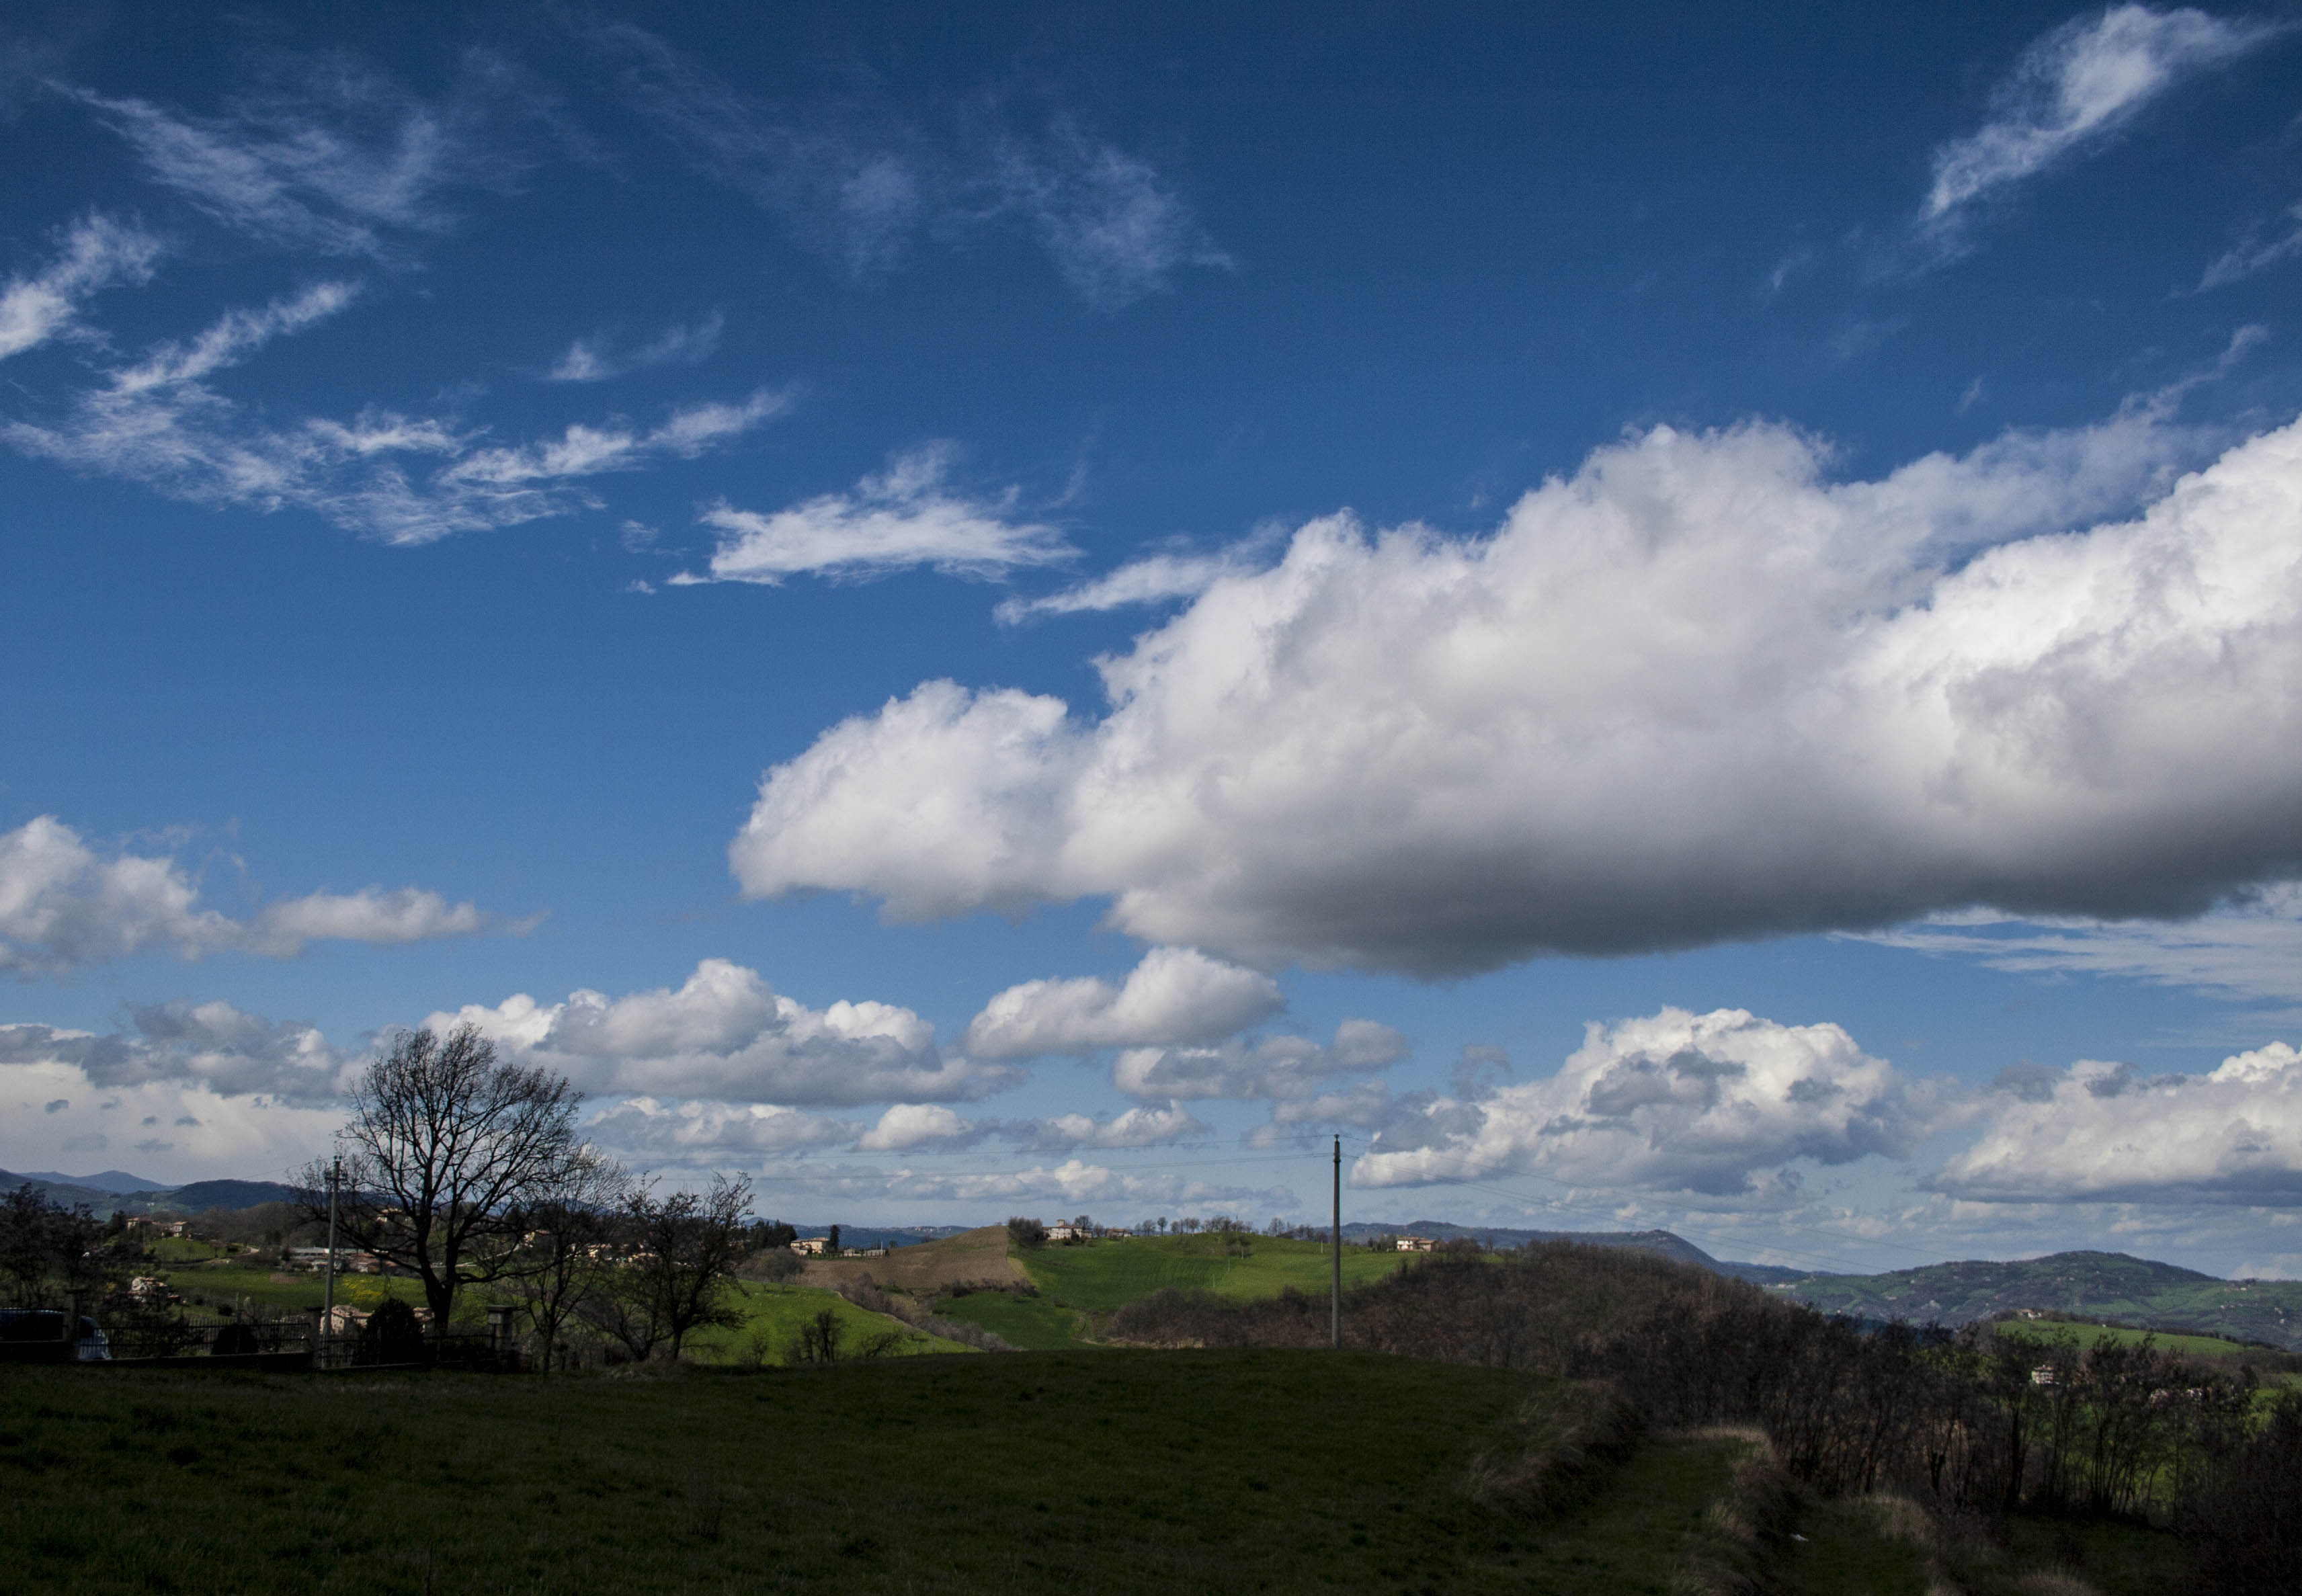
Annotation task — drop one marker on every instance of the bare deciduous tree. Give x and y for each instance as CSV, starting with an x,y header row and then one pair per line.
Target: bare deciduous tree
x,y
447,1149
562,1264
679,1265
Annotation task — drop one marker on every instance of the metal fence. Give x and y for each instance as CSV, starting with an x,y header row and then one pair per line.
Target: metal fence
x,y
48,1336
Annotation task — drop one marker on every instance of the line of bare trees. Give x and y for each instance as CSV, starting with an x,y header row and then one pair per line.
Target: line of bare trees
x,y
465,1171
1976,1423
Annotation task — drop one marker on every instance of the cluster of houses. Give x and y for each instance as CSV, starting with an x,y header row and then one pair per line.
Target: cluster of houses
x,y
144,1224
347,1261
819,1247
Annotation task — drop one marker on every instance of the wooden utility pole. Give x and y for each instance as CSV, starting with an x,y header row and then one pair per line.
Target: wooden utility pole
x,y
328,1317
1335,1297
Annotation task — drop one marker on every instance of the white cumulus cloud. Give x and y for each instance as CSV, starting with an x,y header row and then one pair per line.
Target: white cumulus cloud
x,y
1076,1184
211,1046
2102,1132
1258,1069
725,1034
900,518
1694,690
167,1131
64,903
1146,1125
909,1125
701,1130
1674,1101
1175,994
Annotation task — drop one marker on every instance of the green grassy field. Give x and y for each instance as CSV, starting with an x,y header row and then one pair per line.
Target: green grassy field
x,y
1108,1472
1106,1275
1029,1323
773,1315
2087,1335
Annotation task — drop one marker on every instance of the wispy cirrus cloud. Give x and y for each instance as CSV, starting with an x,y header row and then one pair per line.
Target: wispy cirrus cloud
x,y
94,253
861,185
65,904
1115,228
326,156
2250,950
905,516
601,356
2262,248
161,421
2074,89
1153,579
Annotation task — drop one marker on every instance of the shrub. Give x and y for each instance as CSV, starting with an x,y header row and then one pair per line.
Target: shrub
x,y
391,1335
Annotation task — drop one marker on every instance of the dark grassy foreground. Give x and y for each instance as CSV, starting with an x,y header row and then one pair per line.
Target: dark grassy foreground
x,y
1113,1471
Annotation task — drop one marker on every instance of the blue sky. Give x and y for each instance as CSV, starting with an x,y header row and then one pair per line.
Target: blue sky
x,y
1690,617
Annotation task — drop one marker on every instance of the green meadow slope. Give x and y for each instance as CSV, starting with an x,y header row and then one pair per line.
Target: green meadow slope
x,y
1107,1471
1079,1286
211,1279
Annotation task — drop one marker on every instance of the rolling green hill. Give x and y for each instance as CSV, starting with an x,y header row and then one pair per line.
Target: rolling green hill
x,y
2094,1285
1078,1284
1110,1274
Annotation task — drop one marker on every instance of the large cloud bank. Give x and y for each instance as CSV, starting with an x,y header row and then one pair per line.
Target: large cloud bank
x,y
1674,1101
725,1034
1694,692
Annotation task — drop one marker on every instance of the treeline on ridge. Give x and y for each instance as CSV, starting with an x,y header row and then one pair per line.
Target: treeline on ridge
x,y
1975,1425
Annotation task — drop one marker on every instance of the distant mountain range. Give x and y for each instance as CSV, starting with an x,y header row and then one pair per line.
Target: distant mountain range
x,y
115,1191
118,1181
2091,1285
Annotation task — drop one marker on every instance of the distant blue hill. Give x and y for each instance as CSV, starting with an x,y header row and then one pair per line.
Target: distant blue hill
x,y
198,1197
119,1182
203,1195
